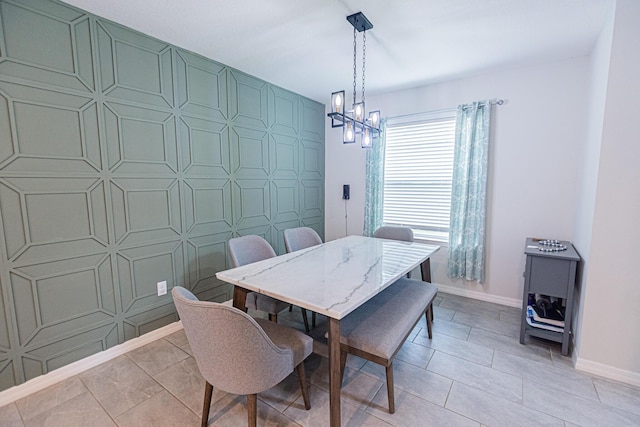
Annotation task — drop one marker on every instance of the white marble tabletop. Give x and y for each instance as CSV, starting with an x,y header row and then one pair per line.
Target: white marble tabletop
x,y
334,278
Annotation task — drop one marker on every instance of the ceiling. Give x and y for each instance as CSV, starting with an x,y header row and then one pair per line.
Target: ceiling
x,y
306,46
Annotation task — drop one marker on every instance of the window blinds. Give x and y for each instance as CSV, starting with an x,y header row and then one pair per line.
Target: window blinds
x,y
417,176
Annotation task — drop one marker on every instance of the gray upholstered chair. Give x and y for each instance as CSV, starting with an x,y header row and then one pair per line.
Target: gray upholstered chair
x,y
246,250
405,234
394,232
239,354
299,238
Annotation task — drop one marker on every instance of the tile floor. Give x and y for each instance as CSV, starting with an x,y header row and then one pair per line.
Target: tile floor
x,y
473,372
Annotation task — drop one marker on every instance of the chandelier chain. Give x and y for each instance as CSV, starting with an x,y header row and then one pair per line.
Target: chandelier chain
x,y
364,52
355,75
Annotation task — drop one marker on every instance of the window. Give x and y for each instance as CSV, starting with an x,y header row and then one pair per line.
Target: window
x,y
418,168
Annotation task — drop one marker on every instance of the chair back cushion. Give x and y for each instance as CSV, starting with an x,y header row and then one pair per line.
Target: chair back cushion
x,y
300,238
247,249
394,232
232,351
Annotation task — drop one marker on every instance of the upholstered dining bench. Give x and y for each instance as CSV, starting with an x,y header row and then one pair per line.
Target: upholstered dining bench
x,y
376,330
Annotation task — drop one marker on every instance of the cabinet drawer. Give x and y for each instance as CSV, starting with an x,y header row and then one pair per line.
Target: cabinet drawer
x,y
549,276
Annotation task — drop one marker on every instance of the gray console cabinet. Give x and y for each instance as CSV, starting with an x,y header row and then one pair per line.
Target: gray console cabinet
x,y
552,274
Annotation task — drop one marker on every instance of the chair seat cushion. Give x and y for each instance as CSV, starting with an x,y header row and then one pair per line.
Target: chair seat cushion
x,y
285,337
380,325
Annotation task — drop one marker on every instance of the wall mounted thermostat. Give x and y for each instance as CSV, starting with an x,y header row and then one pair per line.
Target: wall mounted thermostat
x,y
346,189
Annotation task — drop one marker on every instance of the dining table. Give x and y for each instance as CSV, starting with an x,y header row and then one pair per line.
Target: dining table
x,y
332,279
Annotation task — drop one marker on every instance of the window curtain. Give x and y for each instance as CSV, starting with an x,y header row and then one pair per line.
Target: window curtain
x,y
469,192
374,183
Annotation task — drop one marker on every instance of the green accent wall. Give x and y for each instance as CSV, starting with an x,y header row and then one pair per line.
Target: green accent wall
x,y
125,161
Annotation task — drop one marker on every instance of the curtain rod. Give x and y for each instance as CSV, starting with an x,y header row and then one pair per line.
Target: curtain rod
x,y
498,101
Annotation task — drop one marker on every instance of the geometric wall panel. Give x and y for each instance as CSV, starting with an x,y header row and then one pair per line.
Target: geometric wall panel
x,y
134,67
247,100
284,156
7,376
207,207
202,86
145,209
66,140
125,161
42,359
285,200
141,268
44,217
251,203
140,140
312,160
43,290
249,152
264,231
311,198
57,53
150,319
283,108
312,122
205,147
206,255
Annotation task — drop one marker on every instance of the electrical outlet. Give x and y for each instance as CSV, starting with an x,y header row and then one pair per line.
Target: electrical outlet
x,y
162,288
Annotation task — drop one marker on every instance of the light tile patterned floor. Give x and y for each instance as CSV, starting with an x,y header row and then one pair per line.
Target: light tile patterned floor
x,y
474,372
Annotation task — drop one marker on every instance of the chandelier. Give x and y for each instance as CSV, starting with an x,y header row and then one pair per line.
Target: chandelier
x,y
353,121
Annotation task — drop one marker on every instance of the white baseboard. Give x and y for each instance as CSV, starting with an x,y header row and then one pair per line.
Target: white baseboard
x,y
610,372
39,383
511,302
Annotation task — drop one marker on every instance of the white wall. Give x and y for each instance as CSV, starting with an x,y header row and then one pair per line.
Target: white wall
x,y
610,341
589,160
533,175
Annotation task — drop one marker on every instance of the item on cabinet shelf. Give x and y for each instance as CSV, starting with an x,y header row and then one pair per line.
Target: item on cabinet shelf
x,y
548,310
533,315
544,326
551,245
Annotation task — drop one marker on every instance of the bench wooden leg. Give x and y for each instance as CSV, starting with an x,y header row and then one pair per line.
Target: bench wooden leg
x,y
429,317
390,396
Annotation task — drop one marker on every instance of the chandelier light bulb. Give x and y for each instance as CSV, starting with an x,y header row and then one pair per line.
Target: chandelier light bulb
x,y
375,118
349,134
366,139
358,112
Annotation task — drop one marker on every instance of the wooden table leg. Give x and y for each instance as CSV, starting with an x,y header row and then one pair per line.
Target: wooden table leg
x,y
334,372
425,269
240,298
